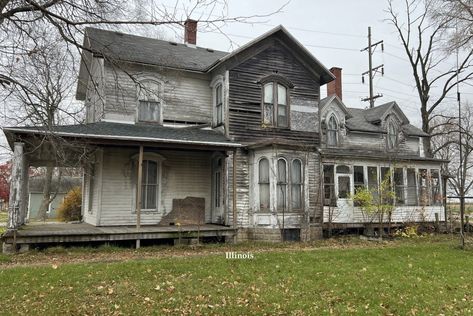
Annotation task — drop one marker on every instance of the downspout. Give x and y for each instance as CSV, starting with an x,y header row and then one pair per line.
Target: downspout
x,y
234,190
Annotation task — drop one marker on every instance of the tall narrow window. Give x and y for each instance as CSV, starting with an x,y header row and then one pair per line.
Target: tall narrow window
x,y
423,188
282,107
392,135
329,186
411,187
275,104
149,101
435,187
373,185
296,184
282,184
399,187
332,131
149,185
218,105
263,182
358,177
218,183
268,104
343,187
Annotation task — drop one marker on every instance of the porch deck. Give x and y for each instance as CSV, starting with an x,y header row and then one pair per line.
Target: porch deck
x,y
39,233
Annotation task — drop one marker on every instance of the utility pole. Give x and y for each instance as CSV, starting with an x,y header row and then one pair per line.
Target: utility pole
x,y
372,70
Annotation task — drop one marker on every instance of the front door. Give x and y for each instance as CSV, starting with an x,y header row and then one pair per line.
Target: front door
x,y
217,191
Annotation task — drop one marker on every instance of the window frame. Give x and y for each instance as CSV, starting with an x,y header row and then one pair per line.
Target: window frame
x,y
143,96
276,81
219,117
147,156
268,183
285,184
391,127
300,184
336,130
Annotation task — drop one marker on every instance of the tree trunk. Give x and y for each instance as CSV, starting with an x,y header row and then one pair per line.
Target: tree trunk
x,y
43,209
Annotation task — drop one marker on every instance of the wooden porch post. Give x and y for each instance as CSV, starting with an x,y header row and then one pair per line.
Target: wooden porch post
x,y
138,194
17,186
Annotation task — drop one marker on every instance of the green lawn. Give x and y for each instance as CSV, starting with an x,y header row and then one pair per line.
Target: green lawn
x,y
3,217
400,278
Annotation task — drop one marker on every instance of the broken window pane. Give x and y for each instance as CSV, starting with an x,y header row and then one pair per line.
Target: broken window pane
x,y
263,176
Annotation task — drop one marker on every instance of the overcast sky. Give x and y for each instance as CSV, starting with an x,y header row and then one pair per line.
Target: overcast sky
x,y
334,31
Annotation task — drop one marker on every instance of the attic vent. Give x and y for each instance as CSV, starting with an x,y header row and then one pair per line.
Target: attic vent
x,y
210,50
173,43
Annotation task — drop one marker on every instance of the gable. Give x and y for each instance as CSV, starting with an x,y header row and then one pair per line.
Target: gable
x,y
278,36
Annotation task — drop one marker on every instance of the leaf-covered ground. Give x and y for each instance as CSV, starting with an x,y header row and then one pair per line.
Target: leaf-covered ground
x,y
419,277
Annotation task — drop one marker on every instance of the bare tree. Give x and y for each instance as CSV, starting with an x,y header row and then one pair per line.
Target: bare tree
x,y
423,40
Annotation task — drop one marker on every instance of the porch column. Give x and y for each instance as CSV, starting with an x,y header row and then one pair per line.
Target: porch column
x,y
18,190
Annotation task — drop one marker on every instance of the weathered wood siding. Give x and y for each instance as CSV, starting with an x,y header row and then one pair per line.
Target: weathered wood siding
x,y
95,95
184,174
186,96
245,119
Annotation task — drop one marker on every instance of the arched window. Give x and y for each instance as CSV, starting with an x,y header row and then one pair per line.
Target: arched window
x,y
263,183
149,101
296,184
275,104
392,135
218,105
282,184
332,131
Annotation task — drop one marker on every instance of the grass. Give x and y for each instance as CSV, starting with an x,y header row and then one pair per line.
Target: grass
x,y
417,278
3,217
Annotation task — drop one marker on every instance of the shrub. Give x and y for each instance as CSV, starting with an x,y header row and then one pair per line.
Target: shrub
x,y
70,208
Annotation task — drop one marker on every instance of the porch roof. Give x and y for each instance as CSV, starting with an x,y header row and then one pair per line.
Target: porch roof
x,y
137,133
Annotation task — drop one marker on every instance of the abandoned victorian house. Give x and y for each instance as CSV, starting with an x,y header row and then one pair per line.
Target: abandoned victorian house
x,y
197,142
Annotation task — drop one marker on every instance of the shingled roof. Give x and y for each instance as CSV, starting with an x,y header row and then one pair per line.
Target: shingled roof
x,y
367,120
132,132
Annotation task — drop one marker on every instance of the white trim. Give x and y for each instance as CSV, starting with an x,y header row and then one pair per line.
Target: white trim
x,y
117,121
216,81
304,108
147,139
160,92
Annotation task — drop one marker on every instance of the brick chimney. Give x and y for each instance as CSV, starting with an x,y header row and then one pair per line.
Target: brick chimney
x,y
190,32
335,86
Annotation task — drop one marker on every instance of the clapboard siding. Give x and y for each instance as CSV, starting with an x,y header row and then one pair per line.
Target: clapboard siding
x,y
404,214
245,121
95,94
186,96
242,181
184,174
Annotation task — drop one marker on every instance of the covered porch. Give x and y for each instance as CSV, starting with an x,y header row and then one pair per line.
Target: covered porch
x,y
139,182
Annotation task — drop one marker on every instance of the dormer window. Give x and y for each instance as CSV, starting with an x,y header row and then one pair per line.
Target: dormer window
x,y
149,101
275,104
218,105
392,135
332,131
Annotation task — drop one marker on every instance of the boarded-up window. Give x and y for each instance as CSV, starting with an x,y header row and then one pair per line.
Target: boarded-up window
x,y
332,131
343,187
399,187
411,187
149,101
282,185
218,104
423,188
263,181
296,184
435,187
373,185
149,185
329,186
